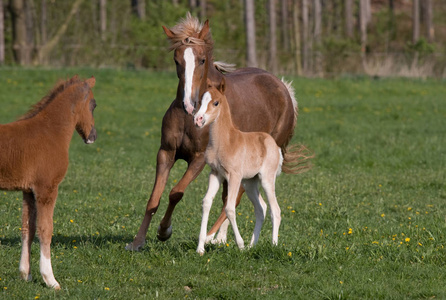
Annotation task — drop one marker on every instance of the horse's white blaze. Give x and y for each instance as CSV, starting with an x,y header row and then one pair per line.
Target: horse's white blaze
x,y
202,112
189,59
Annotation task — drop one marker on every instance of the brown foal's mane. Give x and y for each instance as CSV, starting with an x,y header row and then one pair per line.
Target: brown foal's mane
x,y
186,33
39,106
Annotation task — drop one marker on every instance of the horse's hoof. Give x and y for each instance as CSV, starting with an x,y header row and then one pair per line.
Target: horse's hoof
x,y
26,277
134,246
200,251
56,286
164,235
209,238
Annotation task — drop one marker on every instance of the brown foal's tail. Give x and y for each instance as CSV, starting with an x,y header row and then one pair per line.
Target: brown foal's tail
x,y
296,159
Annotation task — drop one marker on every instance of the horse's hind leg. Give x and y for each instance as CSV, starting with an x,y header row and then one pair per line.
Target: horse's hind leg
x,y
253,193
194,168
268,185
222,222
45,201
28,233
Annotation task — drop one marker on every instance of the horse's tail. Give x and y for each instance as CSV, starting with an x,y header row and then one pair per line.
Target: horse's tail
x,y
296,158
223,67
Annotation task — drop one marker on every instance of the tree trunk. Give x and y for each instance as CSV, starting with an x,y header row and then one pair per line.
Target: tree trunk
x,y
285,24
349,18
363,30
305,35
415,21
43,17
202,10
21,48
317,15
297,44
46,49
139,9
272,37
103,17
428,21
251,57
2,34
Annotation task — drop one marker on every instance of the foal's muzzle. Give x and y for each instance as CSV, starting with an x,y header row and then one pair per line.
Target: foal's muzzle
x,y
91,137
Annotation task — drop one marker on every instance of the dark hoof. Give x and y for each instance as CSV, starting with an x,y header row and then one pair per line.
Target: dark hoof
x,y
164,235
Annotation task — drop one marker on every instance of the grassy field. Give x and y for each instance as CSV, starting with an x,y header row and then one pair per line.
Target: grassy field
x,y
368,221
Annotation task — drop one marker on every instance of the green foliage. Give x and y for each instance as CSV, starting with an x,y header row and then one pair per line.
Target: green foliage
x,y
366,222
422,47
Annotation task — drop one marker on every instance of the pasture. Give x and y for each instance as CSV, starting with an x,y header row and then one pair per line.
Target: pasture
x,y
367,221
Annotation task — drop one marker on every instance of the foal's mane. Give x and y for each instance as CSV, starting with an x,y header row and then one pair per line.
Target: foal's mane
x,y
186,33
59,88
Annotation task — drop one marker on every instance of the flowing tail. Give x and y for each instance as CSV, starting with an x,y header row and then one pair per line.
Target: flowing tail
x,y
296,158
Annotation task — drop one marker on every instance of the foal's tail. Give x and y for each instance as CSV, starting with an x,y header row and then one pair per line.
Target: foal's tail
x,y
296,158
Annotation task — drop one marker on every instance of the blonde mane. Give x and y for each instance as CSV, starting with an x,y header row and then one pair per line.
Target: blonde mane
x,y
186,33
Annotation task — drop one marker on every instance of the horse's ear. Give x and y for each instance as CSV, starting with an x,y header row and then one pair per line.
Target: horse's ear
x,y
168,32
204,31
222,86
91,81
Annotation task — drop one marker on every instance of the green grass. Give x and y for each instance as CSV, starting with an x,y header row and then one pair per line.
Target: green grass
x,y
368,221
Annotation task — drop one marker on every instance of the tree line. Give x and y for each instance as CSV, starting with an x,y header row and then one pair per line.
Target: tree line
x,y
304,37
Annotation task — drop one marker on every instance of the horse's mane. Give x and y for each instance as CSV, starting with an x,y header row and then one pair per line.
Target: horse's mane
x,y
39,106
186,32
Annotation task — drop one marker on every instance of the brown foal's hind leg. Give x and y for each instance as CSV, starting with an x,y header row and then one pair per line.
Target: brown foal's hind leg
x,y
165,162
45,201
194,168
28,233
222,217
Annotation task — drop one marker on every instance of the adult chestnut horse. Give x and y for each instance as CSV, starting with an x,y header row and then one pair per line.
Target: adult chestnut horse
x,y
34,159
258,101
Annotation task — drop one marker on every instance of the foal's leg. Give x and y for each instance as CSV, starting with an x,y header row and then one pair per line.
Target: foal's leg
x,y
222,222
165,161
269,185
194,168
233,188
214,185
45,201
252,190
28,233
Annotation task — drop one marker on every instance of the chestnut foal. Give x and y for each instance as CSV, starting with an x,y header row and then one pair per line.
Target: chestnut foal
x,y
246,158
34,159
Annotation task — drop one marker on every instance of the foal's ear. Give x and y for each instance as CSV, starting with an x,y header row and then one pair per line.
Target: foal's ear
x,y
91,81
204,31
168,32
222,86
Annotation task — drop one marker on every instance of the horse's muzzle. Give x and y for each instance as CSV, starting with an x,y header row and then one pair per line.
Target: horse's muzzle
x,y
91,137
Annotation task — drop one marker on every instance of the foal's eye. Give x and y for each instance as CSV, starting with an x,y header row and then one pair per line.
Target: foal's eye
x,y
216,103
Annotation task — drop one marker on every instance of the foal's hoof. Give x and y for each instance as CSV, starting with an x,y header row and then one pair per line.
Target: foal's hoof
x,y
134,246
164,235
209,238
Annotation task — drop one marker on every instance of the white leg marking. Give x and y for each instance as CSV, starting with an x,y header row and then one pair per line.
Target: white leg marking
x,y
47,271
189,59
214,185
222,233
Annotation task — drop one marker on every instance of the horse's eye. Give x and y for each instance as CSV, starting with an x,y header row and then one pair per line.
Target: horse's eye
x,y
202,61
216,103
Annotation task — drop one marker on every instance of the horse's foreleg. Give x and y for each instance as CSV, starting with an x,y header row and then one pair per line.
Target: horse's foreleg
x,y
222,222
28,233
214,185
45,201
165,162
233,188
194,168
